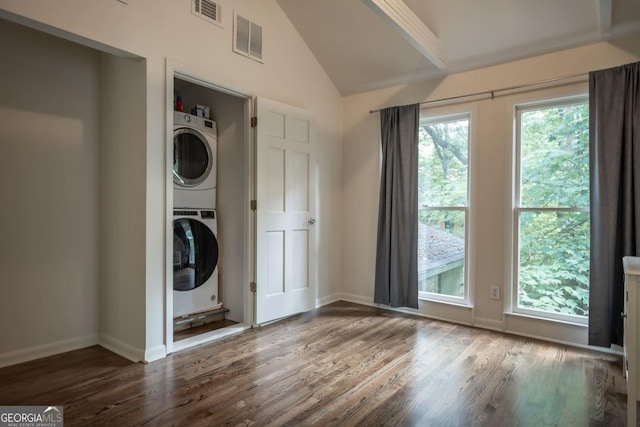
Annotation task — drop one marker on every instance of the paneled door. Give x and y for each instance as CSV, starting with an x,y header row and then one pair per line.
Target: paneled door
x,y
285,213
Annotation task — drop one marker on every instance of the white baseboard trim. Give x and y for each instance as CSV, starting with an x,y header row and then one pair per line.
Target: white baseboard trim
x,y
45,350
209,337
415,312
491,324
327,300
121,348
155,353
617,350
357,299
479,322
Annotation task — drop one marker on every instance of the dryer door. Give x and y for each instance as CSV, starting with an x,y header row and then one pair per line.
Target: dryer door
x,y
192,161
195,254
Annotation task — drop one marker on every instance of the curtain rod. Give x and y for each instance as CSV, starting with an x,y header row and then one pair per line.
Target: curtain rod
x,y
492,92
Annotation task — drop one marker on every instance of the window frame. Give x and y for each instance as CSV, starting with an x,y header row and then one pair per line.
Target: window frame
x,y
445,115
518,209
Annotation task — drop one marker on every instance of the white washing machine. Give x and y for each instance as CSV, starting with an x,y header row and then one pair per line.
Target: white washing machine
x,y
194,161
195,261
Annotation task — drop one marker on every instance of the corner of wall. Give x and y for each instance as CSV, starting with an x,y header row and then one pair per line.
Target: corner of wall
x,y
327,300
121,348
155,353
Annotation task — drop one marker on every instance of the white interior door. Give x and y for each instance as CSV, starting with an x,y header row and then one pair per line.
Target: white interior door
x,y
285,216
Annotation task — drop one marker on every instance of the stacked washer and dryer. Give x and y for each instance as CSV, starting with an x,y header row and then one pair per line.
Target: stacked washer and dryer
x,y
195,229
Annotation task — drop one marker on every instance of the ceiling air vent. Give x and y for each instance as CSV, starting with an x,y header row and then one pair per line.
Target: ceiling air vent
x,y
208,10
247,38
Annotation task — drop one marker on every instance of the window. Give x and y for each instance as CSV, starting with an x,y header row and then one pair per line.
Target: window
x,y
443,175
551,215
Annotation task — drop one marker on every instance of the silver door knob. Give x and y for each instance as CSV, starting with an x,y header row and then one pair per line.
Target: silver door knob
x,y
311,221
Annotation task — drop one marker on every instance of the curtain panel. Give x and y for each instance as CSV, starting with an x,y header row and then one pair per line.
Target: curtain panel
x,y
614,144
396,279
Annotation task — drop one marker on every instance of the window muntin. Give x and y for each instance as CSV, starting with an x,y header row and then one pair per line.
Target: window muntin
x,y
551,268
443,194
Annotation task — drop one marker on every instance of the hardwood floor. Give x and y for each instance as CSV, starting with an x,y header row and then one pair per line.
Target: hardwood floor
x,y
342,365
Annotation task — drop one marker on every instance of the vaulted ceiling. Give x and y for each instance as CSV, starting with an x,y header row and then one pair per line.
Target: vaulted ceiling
x,y
370,44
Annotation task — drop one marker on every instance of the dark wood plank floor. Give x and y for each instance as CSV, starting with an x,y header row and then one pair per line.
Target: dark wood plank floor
x,y
342,365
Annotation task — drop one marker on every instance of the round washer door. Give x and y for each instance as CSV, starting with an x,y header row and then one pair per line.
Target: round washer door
x,y
191,157
195,254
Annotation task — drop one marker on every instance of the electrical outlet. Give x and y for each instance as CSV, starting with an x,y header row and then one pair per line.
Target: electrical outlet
x,y
495,292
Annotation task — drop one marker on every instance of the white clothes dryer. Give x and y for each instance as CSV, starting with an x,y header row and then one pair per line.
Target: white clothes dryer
x,y
195,261
194,161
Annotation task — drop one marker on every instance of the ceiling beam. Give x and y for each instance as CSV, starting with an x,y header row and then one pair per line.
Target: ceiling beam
x,y
397,14
604,15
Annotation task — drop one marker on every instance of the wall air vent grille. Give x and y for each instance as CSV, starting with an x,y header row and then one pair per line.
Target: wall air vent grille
x,y
208,10
247,38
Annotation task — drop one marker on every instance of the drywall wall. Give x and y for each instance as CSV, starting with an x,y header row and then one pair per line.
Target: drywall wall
x,y
490,178
233,200
168,31
49,138
122,216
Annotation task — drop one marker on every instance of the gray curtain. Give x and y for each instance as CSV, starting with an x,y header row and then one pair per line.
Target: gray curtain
x,y
396,282
614,143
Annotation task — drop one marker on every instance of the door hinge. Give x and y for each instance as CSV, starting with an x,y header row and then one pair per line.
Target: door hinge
x,y
254,205
254,122
252,287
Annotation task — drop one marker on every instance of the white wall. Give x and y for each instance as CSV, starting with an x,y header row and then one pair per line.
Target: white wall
x,y
167,30
122,205
232,202
491,178
49,135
